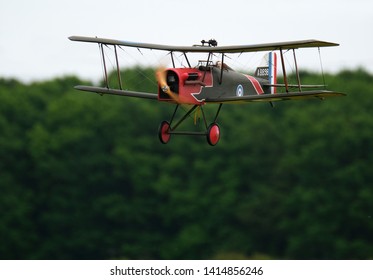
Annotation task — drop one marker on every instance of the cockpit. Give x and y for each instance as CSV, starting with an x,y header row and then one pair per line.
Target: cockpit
x,y
204,65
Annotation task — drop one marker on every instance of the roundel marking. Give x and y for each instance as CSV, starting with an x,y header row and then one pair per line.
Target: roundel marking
x,y
239,90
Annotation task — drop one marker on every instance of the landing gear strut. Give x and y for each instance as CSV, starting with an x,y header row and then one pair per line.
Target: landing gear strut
x,y
212,132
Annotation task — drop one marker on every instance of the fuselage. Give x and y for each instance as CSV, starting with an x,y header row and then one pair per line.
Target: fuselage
x,y
194,85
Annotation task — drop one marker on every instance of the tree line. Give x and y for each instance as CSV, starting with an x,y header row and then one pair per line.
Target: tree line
x,y
85,177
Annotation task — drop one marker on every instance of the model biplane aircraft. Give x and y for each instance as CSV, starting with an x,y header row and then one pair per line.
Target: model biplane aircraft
x,y
212,82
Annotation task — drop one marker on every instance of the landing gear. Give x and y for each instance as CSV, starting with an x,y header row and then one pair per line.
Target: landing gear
x,y
212,132
164,132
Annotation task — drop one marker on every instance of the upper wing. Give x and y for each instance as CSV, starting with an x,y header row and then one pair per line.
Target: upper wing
x,y
205,49
321,94
102,90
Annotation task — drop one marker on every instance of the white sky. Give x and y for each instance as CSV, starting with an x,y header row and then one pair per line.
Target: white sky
x,y
34,44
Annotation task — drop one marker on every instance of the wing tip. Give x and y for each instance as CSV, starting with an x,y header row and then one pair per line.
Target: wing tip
x,y
72,38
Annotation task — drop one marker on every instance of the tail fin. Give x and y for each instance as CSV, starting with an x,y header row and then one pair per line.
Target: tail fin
x,y
268,70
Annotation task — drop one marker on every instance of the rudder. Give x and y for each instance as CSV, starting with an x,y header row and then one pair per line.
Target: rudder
x,y
268,71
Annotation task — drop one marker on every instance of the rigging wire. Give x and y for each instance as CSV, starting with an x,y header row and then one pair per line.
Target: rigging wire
x,y
136,64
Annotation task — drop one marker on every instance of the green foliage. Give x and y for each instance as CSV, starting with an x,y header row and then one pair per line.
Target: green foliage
x,y
85,177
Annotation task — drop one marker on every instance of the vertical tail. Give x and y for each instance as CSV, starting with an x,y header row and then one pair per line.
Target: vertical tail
x,y
268,71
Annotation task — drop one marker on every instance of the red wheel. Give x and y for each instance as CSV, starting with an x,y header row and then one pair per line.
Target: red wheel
x,y
213,134
164,132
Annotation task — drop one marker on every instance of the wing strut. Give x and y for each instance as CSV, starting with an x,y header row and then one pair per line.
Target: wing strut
x,y
222,68
297,71
104,64
207,64
187,60
101,46
283,70
322,68
172,59
118,70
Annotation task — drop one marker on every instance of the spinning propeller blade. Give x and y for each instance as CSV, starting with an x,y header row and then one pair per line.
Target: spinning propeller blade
x,y
161,76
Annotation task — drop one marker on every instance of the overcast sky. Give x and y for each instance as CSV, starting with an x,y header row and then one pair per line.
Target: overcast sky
x,y
34,44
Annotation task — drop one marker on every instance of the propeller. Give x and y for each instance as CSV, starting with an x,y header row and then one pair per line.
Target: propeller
x,y
161,76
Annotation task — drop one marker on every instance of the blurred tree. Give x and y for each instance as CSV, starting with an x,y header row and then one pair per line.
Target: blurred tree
x,y
84,176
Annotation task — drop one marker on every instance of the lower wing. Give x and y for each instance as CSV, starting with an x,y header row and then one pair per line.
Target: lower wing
x,y
101,90
320,94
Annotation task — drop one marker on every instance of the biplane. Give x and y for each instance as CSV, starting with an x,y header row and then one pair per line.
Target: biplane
x,y
211,82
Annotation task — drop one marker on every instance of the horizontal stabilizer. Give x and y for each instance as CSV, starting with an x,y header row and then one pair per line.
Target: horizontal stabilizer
x,y
101,90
